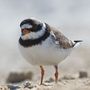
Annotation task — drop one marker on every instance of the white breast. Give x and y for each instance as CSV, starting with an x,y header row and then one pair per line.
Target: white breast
x,y
47,53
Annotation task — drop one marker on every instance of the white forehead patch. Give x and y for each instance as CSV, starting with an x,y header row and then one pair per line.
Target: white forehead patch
x,y
28,26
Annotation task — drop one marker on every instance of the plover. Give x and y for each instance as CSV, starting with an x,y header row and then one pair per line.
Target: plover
x,y
41,44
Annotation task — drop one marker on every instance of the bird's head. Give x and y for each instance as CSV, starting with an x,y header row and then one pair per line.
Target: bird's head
x,y
31,29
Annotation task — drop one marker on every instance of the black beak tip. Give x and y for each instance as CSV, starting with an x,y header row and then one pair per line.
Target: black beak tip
x,y
76,41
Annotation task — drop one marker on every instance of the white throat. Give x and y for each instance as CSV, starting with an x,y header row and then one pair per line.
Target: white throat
x,y
35,35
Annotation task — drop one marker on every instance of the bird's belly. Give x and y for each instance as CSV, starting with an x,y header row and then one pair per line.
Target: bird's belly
x,y
38,55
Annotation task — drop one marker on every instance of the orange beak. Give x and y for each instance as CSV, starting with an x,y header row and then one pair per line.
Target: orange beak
x,y
25,31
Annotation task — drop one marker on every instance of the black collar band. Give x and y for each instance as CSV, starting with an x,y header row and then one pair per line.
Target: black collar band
x,y
31,42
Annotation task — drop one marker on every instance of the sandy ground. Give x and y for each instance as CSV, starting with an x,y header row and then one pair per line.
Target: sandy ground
x,y
72,84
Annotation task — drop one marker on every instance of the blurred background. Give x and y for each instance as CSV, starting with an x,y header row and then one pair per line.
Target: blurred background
x,y
72,17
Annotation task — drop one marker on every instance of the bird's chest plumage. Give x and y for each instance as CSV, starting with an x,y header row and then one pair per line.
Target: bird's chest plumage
x,y
46,53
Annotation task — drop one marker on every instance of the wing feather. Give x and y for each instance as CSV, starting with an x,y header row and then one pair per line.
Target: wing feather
x,y
63,41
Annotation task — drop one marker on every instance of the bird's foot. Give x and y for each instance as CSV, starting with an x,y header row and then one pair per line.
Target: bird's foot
x,y
46,84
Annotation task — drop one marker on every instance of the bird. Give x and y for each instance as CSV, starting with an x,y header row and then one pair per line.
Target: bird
x,y
42,44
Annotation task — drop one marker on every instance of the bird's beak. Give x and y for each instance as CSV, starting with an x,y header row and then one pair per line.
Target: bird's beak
x,y
25,31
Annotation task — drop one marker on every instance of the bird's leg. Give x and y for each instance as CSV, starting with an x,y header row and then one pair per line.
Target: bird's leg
x,y
42,74
56,73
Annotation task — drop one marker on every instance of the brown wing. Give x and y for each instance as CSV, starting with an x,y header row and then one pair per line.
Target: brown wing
x,y
64,42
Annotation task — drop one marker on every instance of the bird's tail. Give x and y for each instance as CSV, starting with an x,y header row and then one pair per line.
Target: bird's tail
x,y
77,41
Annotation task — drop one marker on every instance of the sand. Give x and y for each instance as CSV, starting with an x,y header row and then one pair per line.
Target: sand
x,y
72,84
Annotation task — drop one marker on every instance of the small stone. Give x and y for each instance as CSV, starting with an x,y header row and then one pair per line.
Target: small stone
x,y
15,77
4,87
83,74
13,87
28,85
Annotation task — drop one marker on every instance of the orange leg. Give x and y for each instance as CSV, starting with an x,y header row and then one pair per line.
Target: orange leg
x,y
56,73
42,74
